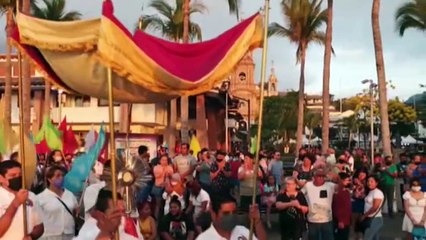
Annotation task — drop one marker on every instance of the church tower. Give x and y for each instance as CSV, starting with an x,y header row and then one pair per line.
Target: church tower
x,y
272,83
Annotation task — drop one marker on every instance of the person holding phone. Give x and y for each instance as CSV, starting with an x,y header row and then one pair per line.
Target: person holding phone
x,y
319,195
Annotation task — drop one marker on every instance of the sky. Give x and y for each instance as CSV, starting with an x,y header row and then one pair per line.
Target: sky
x,y
405,57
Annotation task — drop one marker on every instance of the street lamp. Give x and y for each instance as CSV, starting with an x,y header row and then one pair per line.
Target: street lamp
x,y
248,115
371,88
225,88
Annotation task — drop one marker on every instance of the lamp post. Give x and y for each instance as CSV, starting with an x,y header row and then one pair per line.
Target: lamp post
x,y
371,88
225,88
248,115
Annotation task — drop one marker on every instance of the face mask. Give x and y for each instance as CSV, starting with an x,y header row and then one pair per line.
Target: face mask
x,y
57,159
219,160
417,163
388,163
416,188
228,222
341,161
173,183
15,183
58,183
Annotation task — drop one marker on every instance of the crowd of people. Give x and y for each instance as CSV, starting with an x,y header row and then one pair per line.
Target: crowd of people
x,y
325,197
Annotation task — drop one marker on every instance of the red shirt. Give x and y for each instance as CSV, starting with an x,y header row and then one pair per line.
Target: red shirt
x,y
342,207
235,165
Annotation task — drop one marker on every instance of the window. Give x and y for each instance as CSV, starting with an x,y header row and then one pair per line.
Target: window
x,y
242,76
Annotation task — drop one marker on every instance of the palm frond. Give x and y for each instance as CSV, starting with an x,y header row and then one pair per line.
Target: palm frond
x,y
53,10
234,7
411,15
276,29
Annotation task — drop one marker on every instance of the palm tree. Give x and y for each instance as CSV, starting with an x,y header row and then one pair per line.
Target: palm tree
x,y
169,20
352,124
380,67
411,15
53,10
304,19
326,79
7,7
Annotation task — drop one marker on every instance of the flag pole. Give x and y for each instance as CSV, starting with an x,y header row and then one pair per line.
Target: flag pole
x,y
21,132
262,93
112,141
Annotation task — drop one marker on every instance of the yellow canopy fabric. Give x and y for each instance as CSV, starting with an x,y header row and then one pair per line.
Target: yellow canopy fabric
x,y
75,56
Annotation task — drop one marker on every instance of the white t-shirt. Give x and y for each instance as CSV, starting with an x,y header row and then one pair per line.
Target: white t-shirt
x,y
203,196
56,219
184,163
375,194
16,229
319,199
238,233
90,231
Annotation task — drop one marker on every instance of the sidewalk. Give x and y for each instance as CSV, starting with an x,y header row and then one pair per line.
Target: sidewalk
x,y
391,227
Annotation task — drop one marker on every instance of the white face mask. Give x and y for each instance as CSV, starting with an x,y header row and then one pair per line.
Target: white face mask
x,y
57,159
416,188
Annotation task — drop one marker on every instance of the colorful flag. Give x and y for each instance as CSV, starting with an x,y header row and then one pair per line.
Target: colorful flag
x,y
90,139
63,125
195,145
253,143
83,164
49,133
69,142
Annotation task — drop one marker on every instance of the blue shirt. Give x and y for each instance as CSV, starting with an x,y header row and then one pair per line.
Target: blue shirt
x,y
420,172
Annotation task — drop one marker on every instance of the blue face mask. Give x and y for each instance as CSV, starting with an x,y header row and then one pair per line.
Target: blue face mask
x,y
58,183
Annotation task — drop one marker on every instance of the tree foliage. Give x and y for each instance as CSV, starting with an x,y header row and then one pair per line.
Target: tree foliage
x,y
399,112
169,20
411,14
279,116
53,10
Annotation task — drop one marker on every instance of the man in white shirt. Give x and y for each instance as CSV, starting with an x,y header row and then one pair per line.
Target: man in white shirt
x,y
12,197
185,163
199,200
224,222
319,195
98,204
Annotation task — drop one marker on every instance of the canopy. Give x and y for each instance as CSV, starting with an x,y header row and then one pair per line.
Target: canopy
x,y
75,56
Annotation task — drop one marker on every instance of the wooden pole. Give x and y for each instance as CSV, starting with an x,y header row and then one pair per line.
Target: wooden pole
x,y
112,141
262,93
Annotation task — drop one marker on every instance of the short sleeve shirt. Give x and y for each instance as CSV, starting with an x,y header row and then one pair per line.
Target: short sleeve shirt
x,y
57,220
388,180
320,200
369,199
184,163
196,201
220,182
177,226
16,229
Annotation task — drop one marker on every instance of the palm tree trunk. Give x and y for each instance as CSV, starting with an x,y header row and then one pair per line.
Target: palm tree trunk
x,y
186,21
301,103
326,80
8,75
380,67
26,88
46,98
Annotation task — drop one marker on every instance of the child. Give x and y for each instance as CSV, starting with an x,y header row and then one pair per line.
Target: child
x,y
269,196
174,188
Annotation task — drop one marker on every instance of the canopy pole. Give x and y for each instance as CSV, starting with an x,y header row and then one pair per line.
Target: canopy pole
x,y
21,140
262,93
21,132
112,141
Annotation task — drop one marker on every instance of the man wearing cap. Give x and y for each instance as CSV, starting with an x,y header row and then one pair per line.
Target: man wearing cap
x,y
319,195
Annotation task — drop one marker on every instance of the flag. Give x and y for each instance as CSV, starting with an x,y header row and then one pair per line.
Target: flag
x,y
253,143
70,144
90,139
51,134
8,138
195,145
63,125
83,164
42,148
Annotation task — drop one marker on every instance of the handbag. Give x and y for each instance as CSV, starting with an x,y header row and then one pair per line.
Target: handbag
x,y
419,233
78,221
366,222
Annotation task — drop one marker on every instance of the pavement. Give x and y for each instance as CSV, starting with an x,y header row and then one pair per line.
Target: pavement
x,y
391,227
